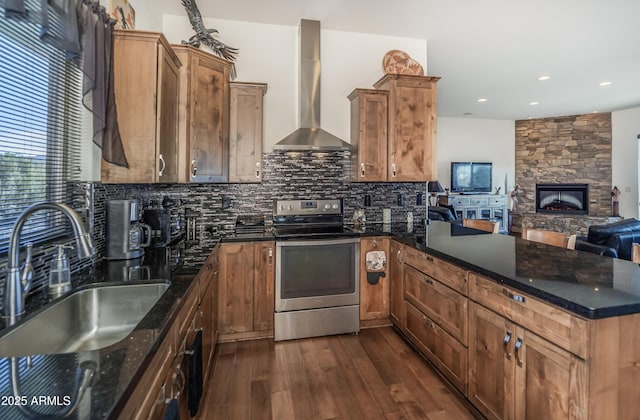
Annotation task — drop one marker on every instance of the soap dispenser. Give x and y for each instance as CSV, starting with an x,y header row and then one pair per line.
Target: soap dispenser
x,y
59,275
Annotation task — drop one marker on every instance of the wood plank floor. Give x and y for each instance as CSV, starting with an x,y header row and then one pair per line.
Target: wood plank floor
x,y
374,375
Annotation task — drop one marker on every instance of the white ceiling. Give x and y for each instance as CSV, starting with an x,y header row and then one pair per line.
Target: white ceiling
x,y
493,49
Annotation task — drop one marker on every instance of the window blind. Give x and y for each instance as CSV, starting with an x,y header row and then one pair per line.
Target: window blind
x,y
40,127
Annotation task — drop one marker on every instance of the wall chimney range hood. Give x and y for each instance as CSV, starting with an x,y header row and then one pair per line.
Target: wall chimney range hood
x,y
310,136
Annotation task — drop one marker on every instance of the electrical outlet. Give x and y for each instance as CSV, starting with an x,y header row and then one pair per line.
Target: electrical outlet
x,y
226,202
400,200
419,199
367,200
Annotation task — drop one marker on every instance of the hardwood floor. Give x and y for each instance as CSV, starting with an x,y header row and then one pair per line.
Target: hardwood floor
x,y
374,375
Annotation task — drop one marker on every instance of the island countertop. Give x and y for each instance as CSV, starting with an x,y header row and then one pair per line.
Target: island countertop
x,y
586,284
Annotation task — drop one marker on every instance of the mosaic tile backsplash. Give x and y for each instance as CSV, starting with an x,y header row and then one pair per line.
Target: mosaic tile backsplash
x,y
286,175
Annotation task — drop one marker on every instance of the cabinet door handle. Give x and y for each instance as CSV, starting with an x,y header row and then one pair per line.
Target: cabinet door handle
x,y
507,339
194,168
257,169
427,280
270,256
362,169
163,165
518,345
398,256
394,171
513,296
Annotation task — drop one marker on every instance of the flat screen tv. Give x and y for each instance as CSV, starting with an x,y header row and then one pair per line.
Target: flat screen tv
x,y
471,177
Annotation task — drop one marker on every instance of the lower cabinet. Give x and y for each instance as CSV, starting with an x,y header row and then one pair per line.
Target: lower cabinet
x,y
397,309
374,297
444,351
166,378
515,374
246,290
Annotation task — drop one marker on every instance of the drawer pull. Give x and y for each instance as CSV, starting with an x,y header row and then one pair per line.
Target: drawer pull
x,y
428,322
507,339
513,296
428,257
517,347
428,281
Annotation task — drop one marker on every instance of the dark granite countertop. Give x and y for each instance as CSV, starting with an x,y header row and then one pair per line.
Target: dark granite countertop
x,y
49,381
580,282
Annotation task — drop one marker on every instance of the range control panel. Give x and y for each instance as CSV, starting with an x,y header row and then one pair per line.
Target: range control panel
x,y
307,207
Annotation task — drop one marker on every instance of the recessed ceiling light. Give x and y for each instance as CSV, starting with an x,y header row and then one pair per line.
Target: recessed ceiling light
x,y
482,100
468,113
605,83
541,78
534,103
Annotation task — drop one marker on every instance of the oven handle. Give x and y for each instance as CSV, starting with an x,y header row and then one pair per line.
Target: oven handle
x,y
317,242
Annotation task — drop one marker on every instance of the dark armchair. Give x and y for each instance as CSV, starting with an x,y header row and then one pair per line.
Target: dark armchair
x,y
611,240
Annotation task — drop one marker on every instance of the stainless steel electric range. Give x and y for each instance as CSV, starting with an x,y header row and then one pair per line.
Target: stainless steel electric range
x,y
317,270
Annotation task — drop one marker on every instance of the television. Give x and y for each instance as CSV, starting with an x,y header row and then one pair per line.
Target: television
x,y
471,177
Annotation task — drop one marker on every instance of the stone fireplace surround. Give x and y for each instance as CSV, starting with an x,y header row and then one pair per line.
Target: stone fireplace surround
x,y
573,149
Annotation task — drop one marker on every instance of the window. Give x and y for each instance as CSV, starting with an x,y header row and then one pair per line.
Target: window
x,y
40,128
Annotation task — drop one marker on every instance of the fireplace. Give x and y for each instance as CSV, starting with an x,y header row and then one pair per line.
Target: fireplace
x,y
562,198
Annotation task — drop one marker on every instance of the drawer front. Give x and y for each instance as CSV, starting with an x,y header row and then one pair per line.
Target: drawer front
x,y
458,201
482,201
444,351
497,201
448,274
554,324
442,304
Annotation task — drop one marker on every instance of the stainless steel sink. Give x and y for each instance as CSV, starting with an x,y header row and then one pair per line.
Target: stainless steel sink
x,y
88,319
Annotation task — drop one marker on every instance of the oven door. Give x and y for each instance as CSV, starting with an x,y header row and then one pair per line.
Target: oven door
x,y
317,273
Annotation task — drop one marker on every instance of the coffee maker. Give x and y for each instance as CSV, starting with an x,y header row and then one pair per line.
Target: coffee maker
x,y
126,235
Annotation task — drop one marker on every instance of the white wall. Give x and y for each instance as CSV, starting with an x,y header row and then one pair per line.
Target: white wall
x,y
269,54
625,158
469,139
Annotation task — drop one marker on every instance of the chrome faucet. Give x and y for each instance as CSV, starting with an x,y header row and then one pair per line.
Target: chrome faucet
x,y
18,284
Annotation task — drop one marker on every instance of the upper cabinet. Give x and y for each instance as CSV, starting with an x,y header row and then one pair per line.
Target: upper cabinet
x,y
369,109
146,85
411,128
204,116
245,133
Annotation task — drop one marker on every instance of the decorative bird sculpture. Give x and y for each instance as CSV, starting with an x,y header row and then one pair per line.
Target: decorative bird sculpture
x,y
204,35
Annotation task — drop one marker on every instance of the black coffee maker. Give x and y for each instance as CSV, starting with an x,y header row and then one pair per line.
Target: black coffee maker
x,y
126,235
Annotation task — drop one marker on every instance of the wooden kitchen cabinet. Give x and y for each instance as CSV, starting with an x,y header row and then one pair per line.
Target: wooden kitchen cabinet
x,y
204,116
167,374
369,110
245,131
146,85
411,127
374,298
515,374
437,313
246,290
397,305
208,311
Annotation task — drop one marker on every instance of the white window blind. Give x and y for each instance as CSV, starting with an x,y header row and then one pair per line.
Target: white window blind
x,y
40,128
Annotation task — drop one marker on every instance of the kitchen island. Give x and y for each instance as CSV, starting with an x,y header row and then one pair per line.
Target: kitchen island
x,y
523,330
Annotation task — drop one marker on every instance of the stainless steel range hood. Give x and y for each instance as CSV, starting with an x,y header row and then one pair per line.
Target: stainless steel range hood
x,y
310,136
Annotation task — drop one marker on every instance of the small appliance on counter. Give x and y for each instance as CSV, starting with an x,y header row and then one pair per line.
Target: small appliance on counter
x,y
249,224
166,225
126,235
